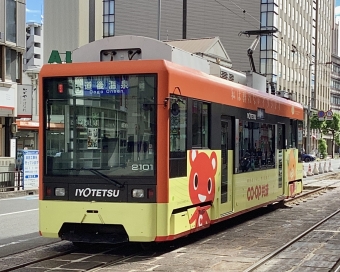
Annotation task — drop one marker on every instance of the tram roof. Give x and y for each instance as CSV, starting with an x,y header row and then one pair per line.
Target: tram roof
x,y
192,83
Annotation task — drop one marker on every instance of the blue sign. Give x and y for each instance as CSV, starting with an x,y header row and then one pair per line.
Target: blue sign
x,y
105,85
321,115
31,169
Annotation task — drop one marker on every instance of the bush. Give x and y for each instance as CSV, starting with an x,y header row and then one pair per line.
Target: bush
x,y
322,146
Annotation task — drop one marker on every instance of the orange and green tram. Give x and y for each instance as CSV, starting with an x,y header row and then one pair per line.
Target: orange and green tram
x,y
150,150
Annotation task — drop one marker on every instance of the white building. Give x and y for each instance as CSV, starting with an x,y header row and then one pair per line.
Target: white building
x,y
34,52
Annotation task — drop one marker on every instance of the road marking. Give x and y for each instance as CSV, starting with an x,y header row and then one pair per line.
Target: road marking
x,y
4,214
19,241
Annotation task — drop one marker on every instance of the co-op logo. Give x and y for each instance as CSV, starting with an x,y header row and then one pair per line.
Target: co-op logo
x,y
87,192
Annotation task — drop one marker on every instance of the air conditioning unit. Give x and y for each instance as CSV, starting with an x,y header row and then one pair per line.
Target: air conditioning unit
x,y
292,96
280,93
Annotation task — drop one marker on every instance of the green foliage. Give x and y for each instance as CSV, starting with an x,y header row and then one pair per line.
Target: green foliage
x,y
316,124
337,138
332,126
322,148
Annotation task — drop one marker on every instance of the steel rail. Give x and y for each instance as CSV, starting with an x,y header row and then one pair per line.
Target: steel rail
x,y
279,250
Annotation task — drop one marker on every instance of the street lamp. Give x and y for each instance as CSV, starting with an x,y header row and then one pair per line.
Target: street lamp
x,y
309,104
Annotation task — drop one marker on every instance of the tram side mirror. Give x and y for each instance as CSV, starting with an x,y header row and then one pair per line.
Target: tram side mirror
x,y
175,109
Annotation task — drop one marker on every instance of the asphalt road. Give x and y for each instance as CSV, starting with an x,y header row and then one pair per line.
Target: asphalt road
x,y
19,225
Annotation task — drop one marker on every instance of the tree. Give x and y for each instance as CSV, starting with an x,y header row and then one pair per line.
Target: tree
x,y
322,146
332,127
315,123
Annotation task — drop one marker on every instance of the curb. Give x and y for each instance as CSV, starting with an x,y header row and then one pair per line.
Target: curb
x,y
18,193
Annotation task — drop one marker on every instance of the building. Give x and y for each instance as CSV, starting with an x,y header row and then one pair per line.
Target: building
x,y
12,48
27,122
294,59
34,53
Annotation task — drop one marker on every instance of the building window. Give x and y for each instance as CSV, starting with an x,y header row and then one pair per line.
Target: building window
x,y
11,21
108,18
11,64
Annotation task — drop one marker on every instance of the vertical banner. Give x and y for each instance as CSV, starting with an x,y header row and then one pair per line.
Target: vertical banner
x,y
24,109
13,148
31,169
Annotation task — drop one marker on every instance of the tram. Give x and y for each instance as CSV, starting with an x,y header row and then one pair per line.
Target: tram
x,y
150,150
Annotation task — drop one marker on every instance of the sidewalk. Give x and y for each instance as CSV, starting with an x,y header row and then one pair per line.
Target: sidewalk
x,y
18,193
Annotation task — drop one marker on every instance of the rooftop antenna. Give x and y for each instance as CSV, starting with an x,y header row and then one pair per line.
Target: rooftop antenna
x,y
251,49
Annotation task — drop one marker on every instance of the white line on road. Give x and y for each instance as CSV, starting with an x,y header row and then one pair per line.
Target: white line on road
x,y
19,241
4,214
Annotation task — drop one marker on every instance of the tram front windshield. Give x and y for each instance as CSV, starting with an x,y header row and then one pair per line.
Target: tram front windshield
x,y
100,123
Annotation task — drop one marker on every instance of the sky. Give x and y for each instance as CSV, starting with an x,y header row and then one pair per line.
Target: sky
x,y
34,9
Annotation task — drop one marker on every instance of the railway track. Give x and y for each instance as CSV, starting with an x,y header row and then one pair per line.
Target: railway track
x,y
65,255
261,263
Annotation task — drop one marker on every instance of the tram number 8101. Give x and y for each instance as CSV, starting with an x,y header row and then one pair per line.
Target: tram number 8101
x,y
142,167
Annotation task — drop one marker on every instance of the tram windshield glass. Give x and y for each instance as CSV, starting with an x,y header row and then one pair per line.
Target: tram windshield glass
x,y
100,123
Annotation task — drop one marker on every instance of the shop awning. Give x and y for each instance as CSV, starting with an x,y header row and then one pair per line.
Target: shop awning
x,y
34,125
6,111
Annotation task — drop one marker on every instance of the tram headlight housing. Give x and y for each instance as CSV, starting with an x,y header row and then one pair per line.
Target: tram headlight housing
x,y
59,191
138,193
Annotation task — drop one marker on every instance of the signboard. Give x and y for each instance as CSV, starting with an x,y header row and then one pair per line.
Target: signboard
x,y
13,148
24,109
329,115
31,169
92,138
321,115
55,57
101,86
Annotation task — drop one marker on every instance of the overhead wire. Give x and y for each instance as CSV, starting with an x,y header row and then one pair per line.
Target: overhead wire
x,y
243,10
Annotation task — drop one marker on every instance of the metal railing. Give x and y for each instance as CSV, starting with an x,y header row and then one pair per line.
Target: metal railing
x,y
11,181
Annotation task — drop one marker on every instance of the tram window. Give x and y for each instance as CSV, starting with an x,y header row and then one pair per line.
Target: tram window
x,y
178,137
280,136
256,147
292,134
200,124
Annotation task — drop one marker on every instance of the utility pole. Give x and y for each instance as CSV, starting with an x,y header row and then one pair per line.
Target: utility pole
x,y
159,19
185,12
309,109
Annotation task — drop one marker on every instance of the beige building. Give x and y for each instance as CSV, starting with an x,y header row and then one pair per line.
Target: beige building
x,y
12,47
293,59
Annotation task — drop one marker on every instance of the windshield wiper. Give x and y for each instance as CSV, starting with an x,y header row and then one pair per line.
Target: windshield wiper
x,y
105,177
97,173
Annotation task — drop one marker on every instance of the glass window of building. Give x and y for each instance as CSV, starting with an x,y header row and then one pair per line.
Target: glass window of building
x,y
11,64
108,18
11,21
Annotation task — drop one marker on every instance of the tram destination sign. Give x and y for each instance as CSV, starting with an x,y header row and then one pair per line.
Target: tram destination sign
x,y
101,85
96,192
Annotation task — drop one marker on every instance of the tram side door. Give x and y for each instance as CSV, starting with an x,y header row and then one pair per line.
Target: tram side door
x,y
226,168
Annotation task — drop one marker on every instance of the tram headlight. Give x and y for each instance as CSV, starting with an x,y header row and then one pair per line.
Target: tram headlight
x,y
138,193
59,191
